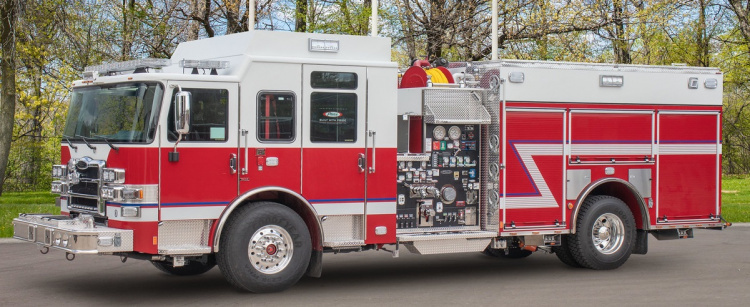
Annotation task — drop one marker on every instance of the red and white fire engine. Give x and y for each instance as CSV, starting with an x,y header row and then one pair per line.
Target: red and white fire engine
x,y
262,151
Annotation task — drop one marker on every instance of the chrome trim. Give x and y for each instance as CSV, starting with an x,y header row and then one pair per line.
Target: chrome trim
x,y
582,197
237,201
246,167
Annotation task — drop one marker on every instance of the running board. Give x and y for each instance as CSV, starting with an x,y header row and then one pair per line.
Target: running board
x,y
446,242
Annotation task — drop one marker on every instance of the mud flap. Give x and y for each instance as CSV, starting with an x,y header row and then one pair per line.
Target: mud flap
x,y
315,268
641,242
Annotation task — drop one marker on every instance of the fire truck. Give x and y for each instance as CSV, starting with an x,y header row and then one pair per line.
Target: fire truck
x,y
262,151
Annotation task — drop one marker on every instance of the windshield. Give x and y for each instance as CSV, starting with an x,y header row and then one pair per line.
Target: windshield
x,y
118,113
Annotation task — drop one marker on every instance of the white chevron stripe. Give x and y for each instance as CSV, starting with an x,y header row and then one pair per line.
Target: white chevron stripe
x,y
545,200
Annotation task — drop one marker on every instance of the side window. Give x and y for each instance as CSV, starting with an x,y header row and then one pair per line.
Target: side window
x,y
333,117
275,116
334,80
208,116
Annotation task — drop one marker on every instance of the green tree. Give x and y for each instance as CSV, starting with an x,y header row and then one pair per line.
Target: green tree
x,y
8,13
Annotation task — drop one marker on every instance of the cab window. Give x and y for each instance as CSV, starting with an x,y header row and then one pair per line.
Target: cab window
x,y
208,116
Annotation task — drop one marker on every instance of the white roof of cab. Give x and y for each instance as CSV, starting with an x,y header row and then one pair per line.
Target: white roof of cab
x,y
241,49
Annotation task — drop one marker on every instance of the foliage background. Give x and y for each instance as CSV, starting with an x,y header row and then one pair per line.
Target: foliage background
x,y
56,39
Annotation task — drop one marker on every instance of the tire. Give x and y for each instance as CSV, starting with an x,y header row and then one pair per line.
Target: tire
x,y
193,267
563,252
605,233
513,253
265,247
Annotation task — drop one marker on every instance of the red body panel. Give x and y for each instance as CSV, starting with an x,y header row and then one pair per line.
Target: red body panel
x,y
202,176
687,183
381,220
286,174
144,234
527,133
332,174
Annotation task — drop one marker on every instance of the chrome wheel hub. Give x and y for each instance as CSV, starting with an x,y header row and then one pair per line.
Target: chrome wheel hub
x,y
270,249
608,233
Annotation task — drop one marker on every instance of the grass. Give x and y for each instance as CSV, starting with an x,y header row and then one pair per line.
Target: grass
x,y
13,203
735,196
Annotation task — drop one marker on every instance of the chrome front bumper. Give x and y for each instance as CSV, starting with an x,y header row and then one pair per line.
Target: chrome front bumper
x,y
74,235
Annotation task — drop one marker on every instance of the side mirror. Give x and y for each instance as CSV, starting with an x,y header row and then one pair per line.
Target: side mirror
x,y
182,112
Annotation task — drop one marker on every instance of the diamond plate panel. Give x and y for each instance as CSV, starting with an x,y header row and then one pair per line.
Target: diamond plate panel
x,y
448,246
184,237
455,106
340,229
490,155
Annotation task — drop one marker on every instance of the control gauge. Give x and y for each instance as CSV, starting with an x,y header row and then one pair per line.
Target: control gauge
x,y
448,194
439,133
454,133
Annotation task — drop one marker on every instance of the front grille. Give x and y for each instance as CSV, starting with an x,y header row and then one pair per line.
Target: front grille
x,y
84,188
91,173
81,203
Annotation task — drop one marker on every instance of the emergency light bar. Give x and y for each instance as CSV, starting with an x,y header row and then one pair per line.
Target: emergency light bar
x,y
136,66
204,64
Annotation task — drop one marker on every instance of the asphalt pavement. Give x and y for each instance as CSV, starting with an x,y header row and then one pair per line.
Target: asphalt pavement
x,y
711,269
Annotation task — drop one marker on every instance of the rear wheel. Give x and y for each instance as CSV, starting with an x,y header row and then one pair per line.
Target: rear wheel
x,y
193,267
265,247
563,252
605,233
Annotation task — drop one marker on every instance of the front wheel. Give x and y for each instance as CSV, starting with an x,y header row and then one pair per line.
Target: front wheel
x,y
605,233
265,247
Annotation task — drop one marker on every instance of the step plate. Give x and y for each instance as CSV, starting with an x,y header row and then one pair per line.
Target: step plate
x,y
446,243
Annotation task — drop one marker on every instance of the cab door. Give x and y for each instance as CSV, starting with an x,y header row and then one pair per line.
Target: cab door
x,y
270,141
202,182
334,153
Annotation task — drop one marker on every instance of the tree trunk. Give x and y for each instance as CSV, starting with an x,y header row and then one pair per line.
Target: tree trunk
x,y
195,27
701,37
128,22
436,30
8,12
620,42
300,24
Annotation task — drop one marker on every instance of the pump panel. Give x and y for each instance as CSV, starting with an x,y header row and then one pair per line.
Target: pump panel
x,y
440,188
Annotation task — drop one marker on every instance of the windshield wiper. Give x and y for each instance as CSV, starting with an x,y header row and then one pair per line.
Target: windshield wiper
x,y
83,138
99,137
70,144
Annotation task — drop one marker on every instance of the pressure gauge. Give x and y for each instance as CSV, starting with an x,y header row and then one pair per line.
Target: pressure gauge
x,y
454,133
439,133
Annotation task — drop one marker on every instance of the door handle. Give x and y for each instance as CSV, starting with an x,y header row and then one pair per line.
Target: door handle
x,y
245,167
372,168
233,164
361,162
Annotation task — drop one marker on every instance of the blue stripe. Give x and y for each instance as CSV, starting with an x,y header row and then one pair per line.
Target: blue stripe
x,y
611,142
688,141
196,203
166,204
351,200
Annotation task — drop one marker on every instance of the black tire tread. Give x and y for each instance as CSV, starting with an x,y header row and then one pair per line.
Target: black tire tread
x,y
564,254
576,243
234,276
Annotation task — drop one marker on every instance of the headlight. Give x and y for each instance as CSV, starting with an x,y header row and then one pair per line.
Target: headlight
x,y
59,171
59,187
113,175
